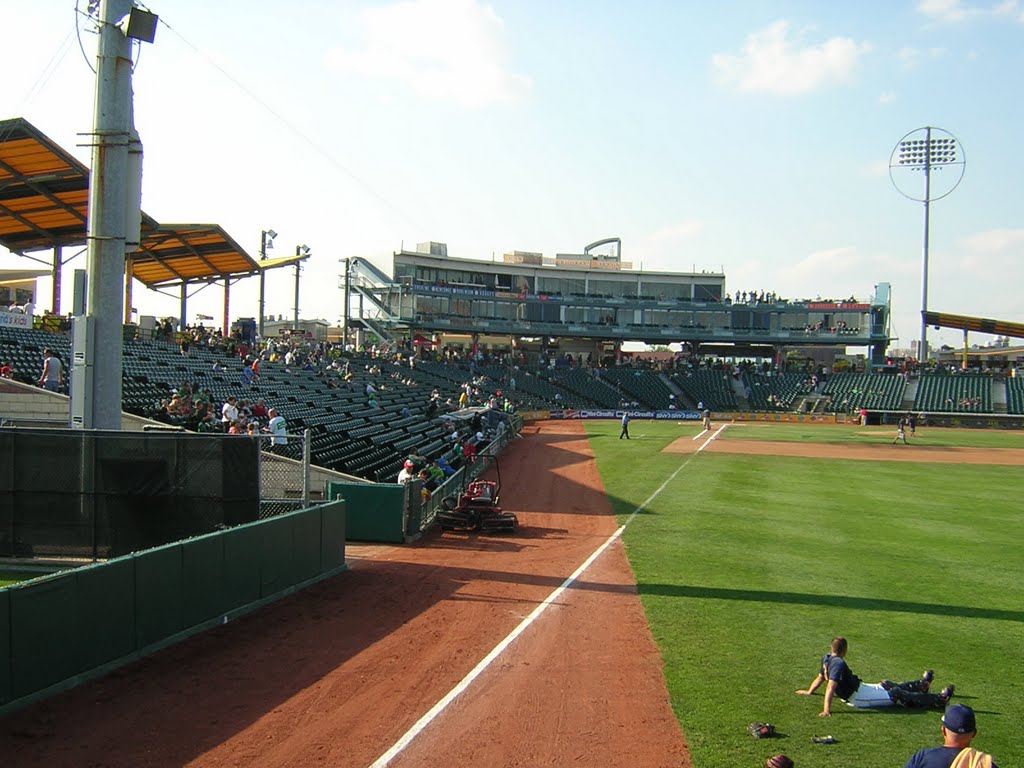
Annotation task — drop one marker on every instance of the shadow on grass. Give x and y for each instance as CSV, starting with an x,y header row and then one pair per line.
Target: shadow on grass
x,y
833,601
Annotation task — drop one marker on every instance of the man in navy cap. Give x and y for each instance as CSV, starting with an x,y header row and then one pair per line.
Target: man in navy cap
x,y
958,729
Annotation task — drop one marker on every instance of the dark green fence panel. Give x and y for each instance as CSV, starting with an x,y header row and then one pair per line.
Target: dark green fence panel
x,y
275,555
105,611
332,539
372,512
44,646
159,592
305,546
202,578
243,551
5,646
56,631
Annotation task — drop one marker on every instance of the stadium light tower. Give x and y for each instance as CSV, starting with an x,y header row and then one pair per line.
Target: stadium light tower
x,y
266,242
926,150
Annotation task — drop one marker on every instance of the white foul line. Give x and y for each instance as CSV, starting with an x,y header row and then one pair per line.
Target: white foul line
x,y
485,662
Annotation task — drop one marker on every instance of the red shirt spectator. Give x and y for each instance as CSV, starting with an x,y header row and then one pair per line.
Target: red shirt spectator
x,y
6,371
469,451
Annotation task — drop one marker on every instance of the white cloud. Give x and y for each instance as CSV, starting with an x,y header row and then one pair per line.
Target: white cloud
x,y
993,249
908,56
877,169
665,247
955,11
774,61
450,50
887,97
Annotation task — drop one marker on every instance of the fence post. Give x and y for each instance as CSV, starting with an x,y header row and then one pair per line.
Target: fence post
x,y
307,478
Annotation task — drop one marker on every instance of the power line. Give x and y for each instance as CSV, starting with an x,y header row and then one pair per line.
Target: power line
x,y
295,130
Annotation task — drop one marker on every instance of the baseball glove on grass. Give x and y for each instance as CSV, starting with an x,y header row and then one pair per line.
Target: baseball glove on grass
x,y
761,730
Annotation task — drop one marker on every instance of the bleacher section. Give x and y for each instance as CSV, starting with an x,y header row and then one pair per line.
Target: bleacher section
x,y
642,386
581,382
1015,396
349,435
954,393
711,387
849,392
776,392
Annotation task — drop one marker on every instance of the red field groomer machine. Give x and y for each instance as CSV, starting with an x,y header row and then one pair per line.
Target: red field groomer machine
x,y
476,507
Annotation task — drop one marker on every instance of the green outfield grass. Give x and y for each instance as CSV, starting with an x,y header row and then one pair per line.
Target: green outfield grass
x,y
748,565
13,577
844,434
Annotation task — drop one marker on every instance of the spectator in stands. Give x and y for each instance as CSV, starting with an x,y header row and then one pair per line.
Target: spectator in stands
x,y
52,377
228,413
429,482
259,410
6,370
203,417
469,451
277,427
406,473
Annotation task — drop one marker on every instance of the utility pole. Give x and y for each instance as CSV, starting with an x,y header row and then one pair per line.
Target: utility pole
x,y
113,229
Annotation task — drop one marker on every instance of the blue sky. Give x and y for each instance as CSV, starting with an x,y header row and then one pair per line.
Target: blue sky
x,y
751,137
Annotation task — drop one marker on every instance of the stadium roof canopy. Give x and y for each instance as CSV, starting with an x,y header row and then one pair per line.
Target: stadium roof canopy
x,y
180,254
44,203
976,324
44,191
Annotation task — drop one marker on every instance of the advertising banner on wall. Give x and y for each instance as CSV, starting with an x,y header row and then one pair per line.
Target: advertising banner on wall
x,y
15,320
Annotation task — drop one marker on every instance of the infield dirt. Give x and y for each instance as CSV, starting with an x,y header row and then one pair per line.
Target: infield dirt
x,y
334,675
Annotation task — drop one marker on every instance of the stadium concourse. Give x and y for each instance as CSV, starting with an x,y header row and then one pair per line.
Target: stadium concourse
x,y
369,409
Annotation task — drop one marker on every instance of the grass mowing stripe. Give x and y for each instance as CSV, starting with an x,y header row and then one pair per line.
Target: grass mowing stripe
x,y
748,565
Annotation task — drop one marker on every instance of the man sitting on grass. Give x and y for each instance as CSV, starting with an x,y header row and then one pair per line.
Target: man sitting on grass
x,y
843,684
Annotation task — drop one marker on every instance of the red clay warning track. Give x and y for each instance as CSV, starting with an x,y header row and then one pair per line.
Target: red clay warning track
x,y
335,675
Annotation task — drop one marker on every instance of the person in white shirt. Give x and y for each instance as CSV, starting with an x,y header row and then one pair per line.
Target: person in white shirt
x,y
228,413
52,377
407,473
278,427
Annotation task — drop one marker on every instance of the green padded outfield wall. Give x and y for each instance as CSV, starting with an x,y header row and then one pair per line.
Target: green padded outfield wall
x,y
61,629
5,646
373,512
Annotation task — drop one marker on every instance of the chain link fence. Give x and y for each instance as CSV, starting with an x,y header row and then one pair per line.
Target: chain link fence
x,y
284,473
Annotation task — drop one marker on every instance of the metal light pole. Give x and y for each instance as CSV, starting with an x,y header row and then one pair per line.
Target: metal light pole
x,y
926,149
303,251
266,241
115,189
347,289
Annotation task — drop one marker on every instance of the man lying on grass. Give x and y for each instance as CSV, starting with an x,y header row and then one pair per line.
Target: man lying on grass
x,y
843,684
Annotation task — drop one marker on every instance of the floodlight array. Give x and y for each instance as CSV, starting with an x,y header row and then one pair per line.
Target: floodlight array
x,y
919,154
